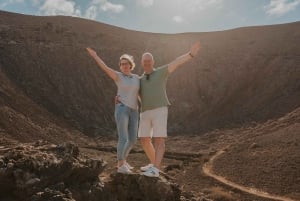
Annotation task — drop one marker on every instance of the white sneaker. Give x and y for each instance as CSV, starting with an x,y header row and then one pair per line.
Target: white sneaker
x,y
151,172
145,168
129,166
124,169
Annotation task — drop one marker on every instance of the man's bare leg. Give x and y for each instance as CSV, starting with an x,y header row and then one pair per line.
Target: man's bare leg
x,y
159,143
148,148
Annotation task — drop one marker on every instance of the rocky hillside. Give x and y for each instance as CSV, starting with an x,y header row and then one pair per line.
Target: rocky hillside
x,y
22,119
242,75
266,157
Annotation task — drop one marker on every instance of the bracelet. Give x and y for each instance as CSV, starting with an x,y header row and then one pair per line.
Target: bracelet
x,y
191,54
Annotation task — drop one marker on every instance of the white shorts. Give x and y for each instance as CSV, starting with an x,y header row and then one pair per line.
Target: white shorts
x,y
153,123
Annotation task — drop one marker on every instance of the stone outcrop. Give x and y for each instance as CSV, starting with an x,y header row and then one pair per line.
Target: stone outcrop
x,y
46,172
43,171
136,187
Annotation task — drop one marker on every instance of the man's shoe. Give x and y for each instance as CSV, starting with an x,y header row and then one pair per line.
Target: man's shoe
x,y
145,168
151,172
124,169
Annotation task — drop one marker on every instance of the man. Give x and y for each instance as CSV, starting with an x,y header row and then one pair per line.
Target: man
x,y
154,107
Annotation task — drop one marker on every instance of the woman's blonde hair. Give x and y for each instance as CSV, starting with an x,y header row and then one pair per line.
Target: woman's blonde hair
x,y
129,58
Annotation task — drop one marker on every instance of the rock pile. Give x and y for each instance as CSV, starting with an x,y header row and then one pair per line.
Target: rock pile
x,y
46,172
43,171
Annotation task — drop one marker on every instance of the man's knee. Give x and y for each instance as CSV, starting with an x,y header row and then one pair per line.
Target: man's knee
x,y
145,140
159,141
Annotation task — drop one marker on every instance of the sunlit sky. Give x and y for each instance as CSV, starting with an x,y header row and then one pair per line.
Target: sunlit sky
x,y
166,16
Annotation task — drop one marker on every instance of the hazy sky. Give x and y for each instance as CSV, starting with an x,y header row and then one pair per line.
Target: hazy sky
x,y
166,16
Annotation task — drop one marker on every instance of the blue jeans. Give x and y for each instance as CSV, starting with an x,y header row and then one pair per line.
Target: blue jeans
x,y
127,125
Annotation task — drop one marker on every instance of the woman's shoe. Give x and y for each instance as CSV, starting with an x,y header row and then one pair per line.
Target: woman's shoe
x,y
129,166
124,169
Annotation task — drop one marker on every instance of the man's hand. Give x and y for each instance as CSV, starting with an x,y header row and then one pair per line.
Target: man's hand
x,y
195,49
184,58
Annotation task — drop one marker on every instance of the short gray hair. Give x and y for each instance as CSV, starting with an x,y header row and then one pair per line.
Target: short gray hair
x,y
148,54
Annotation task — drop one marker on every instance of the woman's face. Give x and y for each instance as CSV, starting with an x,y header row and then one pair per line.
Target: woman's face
x,y
125,66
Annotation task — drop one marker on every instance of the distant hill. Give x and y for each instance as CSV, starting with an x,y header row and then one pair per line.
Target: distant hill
x,y
241,75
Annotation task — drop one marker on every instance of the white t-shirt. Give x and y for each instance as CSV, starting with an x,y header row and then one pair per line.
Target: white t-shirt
x,y
128,89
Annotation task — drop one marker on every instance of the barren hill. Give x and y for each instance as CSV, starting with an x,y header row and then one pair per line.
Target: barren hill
x,y
242,75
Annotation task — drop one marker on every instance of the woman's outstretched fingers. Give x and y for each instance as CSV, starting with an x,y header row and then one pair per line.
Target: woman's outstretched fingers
x,y
91,51
195,48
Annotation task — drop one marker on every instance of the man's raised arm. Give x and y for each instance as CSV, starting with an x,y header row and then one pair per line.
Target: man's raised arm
x,y
184,58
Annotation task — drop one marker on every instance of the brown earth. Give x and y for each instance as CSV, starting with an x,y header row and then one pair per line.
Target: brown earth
x,y
266,157
243,96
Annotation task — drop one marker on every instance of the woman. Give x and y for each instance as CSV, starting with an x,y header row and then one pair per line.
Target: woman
x,y
126,111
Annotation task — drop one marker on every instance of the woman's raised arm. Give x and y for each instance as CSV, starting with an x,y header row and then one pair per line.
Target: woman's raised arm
x,y
109,71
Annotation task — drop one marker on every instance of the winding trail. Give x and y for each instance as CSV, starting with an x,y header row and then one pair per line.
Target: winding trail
x,y
207,169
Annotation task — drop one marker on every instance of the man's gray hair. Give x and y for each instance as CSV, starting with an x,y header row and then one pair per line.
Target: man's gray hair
x,y
147,54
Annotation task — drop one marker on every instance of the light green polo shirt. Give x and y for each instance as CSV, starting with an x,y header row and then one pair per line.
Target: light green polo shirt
x,y
153,91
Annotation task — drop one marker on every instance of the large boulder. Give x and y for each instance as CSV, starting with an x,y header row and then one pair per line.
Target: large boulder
x,y
136,187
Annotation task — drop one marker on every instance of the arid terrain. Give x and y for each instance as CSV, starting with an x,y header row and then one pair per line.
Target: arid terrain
x,y
234,122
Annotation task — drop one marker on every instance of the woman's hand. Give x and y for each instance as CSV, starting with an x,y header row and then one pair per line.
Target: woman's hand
x,y
195,48
91,52
110,72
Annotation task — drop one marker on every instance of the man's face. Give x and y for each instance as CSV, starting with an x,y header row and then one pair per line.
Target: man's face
x,y
147,63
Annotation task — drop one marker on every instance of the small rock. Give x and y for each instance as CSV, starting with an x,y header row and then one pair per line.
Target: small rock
x,y
10,165
254,146
33,181
94,163
12,42
69,149
68,193
40,143
60,186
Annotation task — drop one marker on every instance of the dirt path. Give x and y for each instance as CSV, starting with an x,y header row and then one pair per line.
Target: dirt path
x,y
207,169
